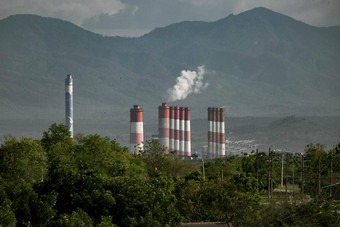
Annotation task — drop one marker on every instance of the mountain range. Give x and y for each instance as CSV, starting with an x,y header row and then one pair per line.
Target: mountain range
x,y
259,63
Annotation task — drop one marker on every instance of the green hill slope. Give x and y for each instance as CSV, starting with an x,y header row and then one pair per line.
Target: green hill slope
x,y
264,63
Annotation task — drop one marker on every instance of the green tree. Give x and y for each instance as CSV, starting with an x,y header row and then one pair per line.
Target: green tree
x,y
235,199
54,134
109,158
106,222
144,203
218,169
316,169
80,188
77,218
313,213
159,162
22,161
7,216
30,207
334,165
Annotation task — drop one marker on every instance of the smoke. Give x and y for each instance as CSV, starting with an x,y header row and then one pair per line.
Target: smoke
x,y
188,82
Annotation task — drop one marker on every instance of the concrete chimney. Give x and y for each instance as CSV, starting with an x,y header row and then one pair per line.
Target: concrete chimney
x,y
69,103
136,129
218,131
172,128
163,125
210,133
177,130
187,150
222,133
214,135
182,130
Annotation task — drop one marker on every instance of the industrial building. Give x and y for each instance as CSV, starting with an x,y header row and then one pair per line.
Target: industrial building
x,y
216,133
69,103
136,129
174,129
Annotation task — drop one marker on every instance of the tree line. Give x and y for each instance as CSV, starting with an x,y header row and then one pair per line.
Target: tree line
x,y
94,181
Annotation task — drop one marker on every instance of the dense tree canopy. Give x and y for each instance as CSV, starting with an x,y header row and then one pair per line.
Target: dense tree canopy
x,y
96,182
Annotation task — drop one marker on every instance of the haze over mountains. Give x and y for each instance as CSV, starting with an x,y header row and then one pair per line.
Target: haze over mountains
x,y
261,63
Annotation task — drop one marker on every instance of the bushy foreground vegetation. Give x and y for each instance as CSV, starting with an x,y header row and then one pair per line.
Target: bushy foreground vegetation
x,y
93,181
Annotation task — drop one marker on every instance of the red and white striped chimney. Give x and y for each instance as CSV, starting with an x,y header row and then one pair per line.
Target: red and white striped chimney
x,y
222,134
136,129
163,125
187,149
177,130
172,128
218,131
182,130
214,132
210,132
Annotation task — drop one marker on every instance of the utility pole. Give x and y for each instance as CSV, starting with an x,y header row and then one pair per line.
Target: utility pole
x,y
331,175
269,172
319,176
282,155
203,169
293,173
42,175
257,169
221,174
302,176
286,189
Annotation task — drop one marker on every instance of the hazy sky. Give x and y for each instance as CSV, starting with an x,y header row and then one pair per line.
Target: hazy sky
x,y
134,17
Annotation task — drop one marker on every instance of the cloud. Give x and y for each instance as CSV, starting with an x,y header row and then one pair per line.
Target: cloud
x,y
72,10
205,3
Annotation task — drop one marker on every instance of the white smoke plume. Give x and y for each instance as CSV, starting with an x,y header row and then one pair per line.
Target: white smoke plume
x,y
188,82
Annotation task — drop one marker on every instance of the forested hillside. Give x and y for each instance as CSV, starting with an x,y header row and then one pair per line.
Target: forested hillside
x,y
260,63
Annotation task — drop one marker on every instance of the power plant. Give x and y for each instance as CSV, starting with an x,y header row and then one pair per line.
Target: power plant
x,y
187,133
69,103
136,129
163,125
216,133
174,129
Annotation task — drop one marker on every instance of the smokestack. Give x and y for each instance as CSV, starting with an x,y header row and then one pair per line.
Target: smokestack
x,y
210,133
176,131
172,128
187,150
136,129
163,125
69,103
218,131
214,134
182,130
222,133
